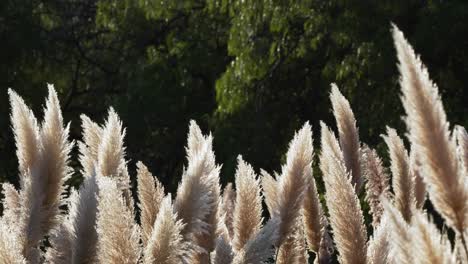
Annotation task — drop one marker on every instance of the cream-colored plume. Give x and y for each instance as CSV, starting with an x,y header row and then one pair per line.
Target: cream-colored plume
x,y
118,234
228,204
260,247
75,242
43,154
150,196
223,252
166,244
377,183
293,250
346,217
26,131
315,223
270,191
111,155
10,247
348,135
248,206
378,250
292,183
400,236
198,193
89,147
11,204
429,135
429,245
402,182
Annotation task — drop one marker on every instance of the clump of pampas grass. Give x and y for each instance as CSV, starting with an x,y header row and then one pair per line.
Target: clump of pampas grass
x,y
206,223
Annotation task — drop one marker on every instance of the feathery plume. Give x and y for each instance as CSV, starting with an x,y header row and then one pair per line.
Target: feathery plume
x,y
326,249
293,181
400,236
260,247
150,195
54,160
419,184
43,169
270,191
111,155
346,216
228,203
429,245
348,134
313,217
198,193
429,134
166,244
10,248
377,185
11,204
76,240
89,147
118,235
462,146
207,240
29,230
223,253
26,131
293,250
379,244
248,206
402,182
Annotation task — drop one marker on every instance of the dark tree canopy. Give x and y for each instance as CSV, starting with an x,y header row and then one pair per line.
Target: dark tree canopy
x,y
252,72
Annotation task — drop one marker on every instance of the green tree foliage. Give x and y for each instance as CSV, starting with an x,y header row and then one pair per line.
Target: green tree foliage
x,y
250,71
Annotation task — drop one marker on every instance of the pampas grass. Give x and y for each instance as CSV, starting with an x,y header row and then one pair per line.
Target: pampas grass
x,y
429,134
348,135
248,205
346,217
402,182
378,250
227,209
98,222
292,183
76,240
150,195
118,234
377,183
166,244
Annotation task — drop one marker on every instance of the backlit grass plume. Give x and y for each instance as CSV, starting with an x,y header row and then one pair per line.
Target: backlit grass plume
x,y
248,205
75,241
377,183
346,217
402,182
166,244
150,196
292,183
348,135
429,135
118,234
43,153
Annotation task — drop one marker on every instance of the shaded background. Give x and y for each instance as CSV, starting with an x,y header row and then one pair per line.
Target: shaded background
x,y
251,72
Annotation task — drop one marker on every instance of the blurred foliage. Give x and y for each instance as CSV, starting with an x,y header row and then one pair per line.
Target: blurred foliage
x,y
252,72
